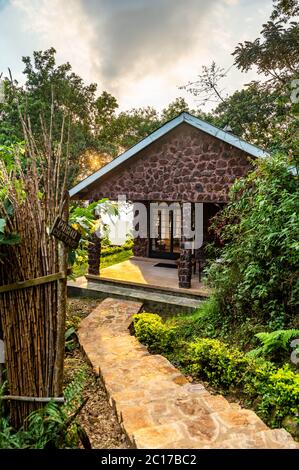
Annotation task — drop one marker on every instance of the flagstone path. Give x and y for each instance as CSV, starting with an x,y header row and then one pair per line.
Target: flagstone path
x,y
155,404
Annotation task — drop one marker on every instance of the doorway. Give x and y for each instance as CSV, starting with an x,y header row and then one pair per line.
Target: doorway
x,y
166,242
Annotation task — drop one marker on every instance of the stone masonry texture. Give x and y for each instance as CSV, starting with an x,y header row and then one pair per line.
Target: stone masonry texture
x,y
141,247
184,165
94,254
185,268
155,404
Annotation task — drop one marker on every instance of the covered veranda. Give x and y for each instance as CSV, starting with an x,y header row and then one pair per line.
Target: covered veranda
x,y
149,274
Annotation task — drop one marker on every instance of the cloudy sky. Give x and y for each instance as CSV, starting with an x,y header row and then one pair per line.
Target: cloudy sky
x,y
141,51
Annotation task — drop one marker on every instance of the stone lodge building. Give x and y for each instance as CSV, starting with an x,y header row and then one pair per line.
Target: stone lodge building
x,y
185,160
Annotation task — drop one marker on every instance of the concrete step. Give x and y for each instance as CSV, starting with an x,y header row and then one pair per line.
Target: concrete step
x,y
105,288
174,291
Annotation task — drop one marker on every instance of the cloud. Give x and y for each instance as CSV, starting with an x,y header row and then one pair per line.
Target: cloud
x,y
138,50
64,25
135,35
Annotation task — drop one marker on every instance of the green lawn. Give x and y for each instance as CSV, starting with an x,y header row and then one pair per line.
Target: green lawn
x,y
81,270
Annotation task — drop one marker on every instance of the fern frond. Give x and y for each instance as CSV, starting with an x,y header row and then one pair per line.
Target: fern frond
x,y
274,342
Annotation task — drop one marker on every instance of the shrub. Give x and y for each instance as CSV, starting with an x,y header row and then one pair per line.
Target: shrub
x,y
151,331
258,276
273,392
213,360
278,390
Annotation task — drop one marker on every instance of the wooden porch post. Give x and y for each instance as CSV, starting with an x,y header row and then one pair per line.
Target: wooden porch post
x,y
94,255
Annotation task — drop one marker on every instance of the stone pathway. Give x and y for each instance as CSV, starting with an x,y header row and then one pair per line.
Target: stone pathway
x,y
155,404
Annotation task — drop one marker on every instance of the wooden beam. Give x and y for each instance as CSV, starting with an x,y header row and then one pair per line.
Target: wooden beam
x,y
32,282
33,399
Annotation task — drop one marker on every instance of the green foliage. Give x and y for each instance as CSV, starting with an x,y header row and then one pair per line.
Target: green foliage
x,y
7,158
208,321
258,275
273,392
6,237
277,393
151,331
53,426
274,343
202,322
73,101
113,249
86,219
70,339
215,361
175,108
124,130
254,114
275,53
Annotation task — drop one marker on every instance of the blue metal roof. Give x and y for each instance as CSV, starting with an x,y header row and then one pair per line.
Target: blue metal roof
x,y
204,126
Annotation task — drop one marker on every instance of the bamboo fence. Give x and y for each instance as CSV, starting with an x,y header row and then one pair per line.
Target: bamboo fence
x,y
33,315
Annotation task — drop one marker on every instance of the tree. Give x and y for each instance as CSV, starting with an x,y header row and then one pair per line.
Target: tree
x,y
275,53
262,112
72,103
207,86
105,105
258,275
178,106
97,133
126,129
257,115
285,9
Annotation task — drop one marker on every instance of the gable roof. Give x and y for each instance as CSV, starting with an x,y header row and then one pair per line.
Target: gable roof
x,y
204,126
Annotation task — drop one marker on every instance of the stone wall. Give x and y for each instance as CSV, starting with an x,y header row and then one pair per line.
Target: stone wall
x,y
184,165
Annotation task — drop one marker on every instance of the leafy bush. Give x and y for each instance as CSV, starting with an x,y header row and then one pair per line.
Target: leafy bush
x,y
6,210
274,343
258,276
273,392
215,361
53,425
152,332
86,219
279,392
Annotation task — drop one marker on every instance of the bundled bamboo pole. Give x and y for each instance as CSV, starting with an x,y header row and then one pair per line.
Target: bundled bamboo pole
x,y
33,318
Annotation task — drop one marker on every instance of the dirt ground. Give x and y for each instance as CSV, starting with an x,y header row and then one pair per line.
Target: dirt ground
x,y
97,417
